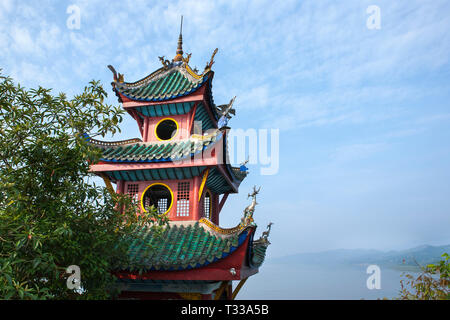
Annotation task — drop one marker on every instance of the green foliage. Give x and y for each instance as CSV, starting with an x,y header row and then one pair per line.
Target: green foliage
x,y
51,214
433,283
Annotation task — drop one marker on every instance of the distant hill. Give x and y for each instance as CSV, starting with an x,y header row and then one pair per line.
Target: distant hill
x,y
409,258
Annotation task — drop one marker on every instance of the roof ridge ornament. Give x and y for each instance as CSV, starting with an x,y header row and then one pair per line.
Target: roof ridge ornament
x,y
247,219
211,61
110,67
264,239
188,57
117,76
242,165
179,53
225,110
265,234
165,62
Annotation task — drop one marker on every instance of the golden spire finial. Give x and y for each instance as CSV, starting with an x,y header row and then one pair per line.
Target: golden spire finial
x,y
179,55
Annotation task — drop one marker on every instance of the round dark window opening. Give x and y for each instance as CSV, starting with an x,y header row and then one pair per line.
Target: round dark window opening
x,y
166,129
159,196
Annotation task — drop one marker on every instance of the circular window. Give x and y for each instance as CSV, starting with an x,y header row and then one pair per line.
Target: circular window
x,y
158,195
166,129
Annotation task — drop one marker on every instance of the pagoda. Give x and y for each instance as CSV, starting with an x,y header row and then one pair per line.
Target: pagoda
x,y
180,166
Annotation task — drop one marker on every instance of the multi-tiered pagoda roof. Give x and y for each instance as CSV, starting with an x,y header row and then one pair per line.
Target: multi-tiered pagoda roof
x,y
189,170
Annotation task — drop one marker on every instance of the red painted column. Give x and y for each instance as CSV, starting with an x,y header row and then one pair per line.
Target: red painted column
x,y
191,121
146,124
120,190
120,186
215,208
195,213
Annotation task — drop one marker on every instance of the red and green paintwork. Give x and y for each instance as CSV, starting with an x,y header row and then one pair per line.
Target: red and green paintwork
x,y
194,248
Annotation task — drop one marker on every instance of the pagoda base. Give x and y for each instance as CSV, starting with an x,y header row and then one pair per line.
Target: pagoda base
x,y
137,295
167,286
174,290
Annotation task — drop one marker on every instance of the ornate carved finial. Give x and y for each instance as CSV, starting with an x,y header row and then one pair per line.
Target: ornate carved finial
x,y
243,167
117,76
165,62
186,60
179,55
254,193
110,67
264,239
225,110
265,234
247,219
245,162
211,61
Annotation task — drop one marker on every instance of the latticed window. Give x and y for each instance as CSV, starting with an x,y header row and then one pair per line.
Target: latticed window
x,y
207,205
183,199
201,208
162,205
133,190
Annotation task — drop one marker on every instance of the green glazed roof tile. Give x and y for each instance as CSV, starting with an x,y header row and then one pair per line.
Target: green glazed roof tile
x,y
259,248
154,151
180,247
162,85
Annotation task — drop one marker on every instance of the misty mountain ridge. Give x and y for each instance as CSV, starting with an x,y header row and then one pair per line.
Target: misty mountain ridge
x,y
409,258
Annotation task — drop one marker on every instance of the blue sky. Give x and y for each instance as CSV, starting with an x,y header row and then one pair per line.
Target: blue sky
x,y
363,114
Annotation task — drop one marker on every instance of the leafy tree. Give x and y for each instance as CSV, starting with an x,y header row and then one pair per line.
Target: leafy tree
x,y
52,215
433,283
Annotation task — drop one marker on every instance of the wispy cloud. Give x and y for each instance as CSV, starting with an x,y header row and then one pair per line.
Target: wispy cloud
x,y
356,151
310,68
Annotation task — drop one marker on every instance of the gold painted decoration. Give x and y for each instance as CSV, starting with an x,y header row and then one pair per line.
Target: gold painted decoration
x,y
200,191
188,57
211,61
164,62
191,72
220,230
247,219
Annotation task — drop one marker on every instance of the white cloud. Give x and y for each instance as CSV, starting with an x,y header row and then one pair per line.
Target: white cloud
x,y
5,6
255,98
22,41
304,64
356,151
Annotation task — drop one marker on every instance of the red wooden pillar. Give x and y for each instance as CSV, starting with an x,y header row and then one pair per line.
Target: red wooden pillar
x,y
195,207
191,121
215,208
146,125
120,186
